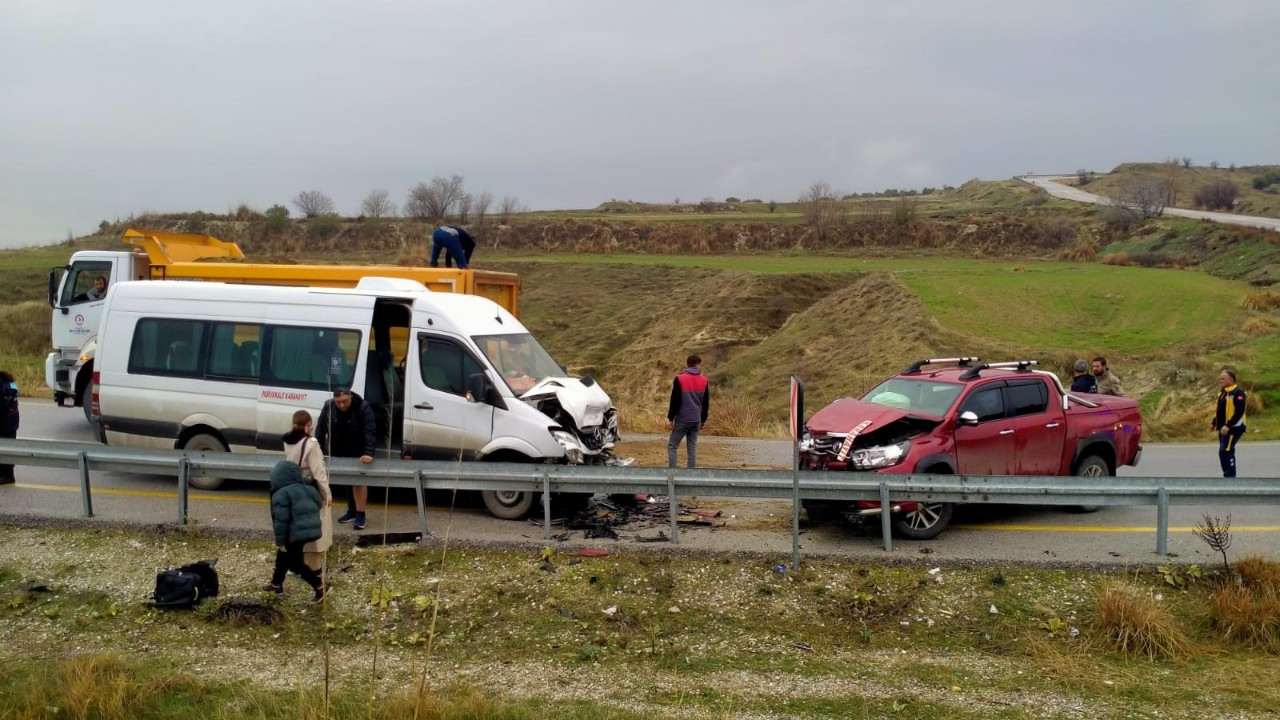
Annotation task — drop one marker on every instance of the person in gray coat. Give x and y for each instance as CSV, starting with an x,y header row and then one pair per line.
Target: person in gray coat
x,y
295,517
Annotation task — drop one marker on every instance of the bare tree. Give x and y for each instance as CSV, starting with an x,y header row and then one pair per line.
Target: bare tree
x,y
1220,195
312,203
483,201
1213,164
1140,198
377,204
821,208
1186,161
433,201
1084,176
465,201
772,205
507,206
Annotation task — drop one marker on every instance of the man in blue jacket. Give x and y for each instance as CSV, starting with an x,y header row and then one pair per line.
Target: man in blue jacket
x,y
687,411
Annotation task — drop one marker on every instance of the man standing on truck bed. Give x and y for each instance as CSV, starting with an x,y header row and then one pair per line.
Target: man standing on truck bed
x,y
456,242
1228,421
346,429
687,411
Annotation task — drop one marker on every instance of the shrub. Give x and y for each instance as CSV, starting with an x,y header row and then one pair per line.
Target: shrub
x,y
1256,571
277,219
1220,195
904,212
1083,250
1137,624
1263,301
1057,232
1247,615
735,416
322,226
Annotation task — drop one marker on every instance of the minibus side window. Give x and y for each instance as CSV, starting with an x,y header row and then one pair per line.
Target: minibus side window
x,y
167,347
310,357
234,351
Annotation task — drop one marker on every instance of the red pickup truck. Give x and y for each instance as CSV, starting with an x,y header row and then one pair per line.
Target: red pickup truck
x,y
952,415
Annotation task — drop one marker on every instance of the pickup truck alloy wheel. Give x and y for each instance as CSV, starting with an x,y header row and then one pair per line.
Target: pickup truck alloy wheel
x,y
204,442
1092,466
923,523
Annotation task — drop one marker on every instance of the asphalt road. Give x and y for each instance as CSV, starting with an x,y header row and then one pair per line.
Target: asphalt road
x,y
1067,192
981,534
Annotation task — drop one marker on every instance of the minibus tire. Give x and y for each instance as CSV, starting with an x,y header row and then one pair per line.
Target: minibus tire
x,y
204,442
507,504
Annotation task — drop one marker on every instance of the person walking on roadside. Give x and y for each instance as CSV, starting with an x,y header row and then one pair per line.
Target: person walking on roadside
x,y
302,448
687,411
8,419
1228,421
1108,383
347,429
456,242
1083,381
295,519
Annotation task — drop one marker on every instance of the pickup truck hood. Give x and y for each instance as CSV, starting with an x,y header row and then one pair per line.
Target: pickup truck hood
x,y
847,415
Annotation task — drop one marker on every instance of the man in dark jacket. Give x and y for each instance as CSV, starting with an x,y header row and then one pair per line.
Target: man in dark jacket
x,y
347,429
8,419
456,242
1228,421
687,411
1083,381
295,519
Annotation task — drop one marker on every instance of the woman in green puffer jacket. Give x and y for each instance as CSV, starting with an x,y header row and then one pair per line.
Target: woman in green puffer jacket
x,y
295,515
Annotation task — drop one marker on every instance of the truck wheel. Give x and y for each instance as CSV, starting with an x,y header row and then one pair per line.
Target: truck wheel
x,y
204,442
923,523
85,401
507,504
1092,466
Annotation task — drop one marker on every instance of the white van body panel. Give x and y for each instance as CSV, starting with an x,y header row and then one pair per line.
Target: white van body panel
x,y
248,414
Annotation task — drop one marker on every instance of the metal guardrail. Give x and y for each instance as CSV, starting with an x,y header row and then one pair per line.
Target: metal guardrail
x,y
424,476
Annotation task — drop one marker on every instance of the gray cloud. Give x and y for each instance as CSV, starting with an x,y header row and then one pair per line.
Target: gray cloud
x,y
108,109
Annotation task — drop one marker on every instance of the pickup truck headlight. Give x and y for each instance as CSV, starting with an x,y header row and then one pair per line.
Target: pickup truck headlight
x,y
574,452
806,442
879,457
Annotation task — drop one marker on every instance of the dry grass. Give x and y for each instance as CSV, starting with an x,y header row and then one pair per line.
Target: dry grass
x,y
1259,326
1083,250
735,416
1257,572
1138,625
1261,300
1249,615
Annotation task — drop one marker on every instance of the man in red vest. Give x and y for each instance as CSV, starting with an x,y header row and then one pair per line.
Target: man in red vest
x,y
687,411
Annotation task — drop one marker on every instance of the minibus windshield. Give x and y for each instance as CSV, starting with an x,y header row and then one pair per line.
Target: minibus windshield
x,y
519,359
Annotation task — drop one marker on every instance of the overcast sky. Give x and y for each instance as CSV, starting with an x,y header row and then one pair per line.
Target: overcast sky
x,y
113,108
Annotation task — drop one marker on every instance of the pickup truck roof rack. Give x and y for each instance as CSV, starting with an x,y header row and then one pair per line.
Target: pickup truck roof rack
x,y
914,367
975,372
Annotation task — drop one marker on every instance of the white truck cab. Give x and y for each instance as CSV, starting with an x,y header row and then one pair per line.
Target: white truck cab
x,y
211,366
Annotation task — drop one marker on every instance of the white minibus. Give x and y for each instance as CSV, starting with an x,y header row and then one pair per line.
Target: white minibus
x,y
214,367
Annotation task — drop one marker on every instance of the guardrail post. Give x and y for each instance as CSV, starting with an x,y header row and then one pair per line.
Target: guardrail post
x,y
86,499
184,476
546,505
673,507
1162,522
886,527
795,506
422,502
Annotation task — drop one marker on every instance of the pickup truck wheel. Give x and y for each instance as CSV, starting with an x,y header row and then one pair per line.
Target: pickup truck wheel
x,y
204,442
507,504
1092,466
923,523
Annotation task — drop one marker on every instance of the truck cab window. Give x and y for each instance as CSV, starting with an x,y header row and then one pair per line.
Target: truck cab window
x,y
987,403
87,281
1028,398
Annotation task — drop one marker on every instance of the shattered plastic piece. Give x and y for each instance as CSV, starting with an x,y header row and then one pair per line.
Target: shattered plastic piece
x,y
673,609
548,567
1073,632
780,568
993,610
611,610
935,571
802,646
593,552
708,513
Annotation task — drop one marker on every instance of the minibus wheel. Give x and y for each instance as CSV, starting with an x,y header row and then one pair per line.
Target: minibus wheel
x,y
204,442
507,504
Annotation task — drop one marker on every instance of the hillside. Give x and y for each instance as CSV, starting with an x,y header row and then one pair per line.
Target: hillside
x,y
1187,181
993,269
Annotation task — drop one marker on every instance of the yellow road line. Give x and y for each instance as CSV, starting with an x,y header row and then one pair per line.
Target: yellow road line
x,y
1101,528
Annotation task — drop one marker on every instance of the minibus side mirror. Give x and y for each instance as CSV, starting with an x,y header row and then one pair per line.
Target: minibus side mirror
x,y
482,390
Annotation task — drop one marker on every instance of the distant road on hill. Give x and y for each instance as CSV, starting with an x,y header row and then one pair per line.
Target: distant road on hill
x,y
1066,192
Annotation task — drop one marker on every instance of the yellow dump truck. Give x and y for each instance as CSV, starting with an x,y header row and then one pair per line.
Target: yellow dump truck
x,y
76,290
